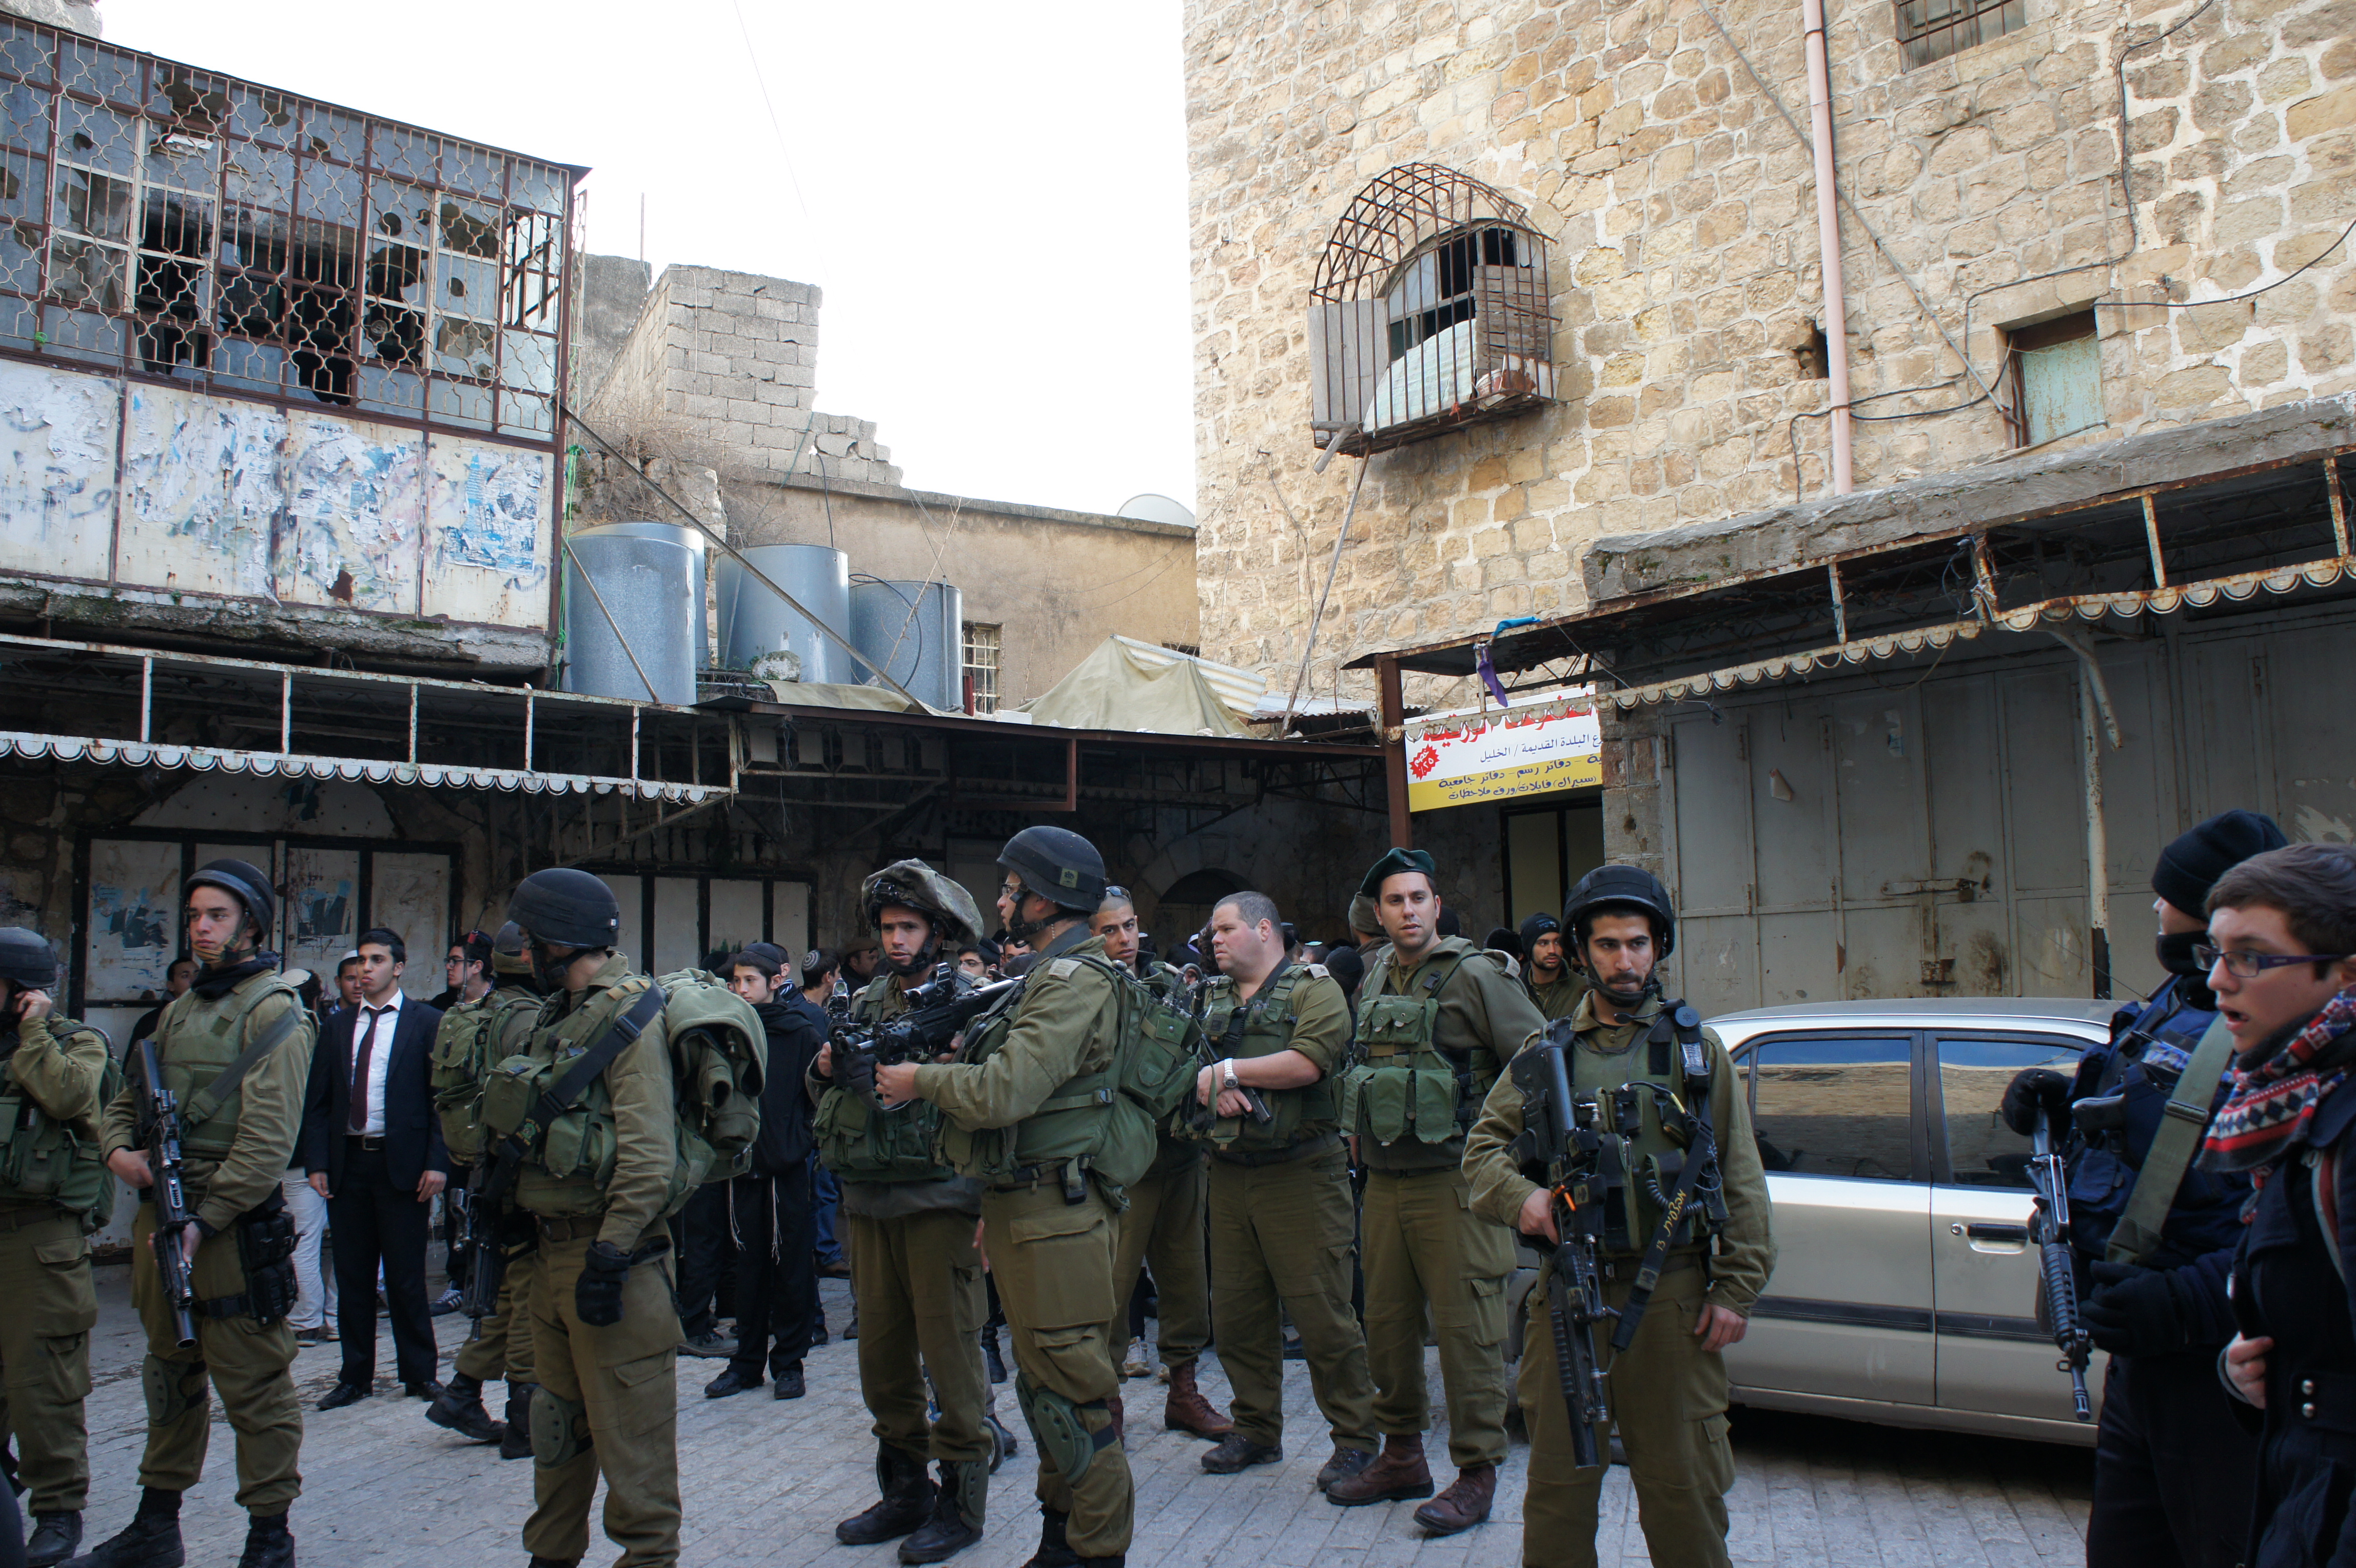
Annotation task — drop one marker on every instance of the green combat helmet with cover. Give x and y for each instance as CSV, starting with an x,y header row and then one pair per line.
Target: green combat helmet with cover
x,y
42,1159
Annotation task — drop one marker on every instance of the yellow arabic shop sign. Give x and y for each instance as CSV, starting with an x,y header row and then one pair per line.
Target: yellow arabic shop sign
x,y
1464,760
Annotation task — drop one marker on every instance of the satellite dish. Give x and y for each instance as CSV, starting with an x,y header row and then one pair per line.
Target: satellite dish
x,y
1151,508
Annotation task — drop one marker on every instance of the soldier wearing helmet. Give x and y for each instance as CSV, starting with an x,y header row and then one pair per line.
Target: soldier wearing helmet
x,y
54,1078
474,1038
236,1050
1663,1356
916,1271
1030,1111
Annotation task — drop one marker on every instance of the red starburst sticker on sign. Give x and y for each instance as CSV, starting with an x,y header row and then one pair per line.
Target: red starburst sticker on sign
x,y
1423,762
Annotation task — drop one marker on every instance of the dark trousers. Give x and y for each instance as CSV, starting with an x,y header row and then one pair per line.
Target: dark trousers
x,y
825,1194
370,1220
777,1287
2174,1471
700,1234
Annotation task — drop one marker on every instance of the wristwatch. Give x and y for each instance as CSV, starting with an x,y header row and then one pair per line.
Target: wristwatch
x,y
1231,1080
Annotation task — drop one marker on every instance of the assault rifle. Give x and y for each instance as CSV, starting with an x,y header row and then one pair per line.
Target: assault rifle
x,y
1560,1147
937,1011
2048,1228
172,1218
494,1235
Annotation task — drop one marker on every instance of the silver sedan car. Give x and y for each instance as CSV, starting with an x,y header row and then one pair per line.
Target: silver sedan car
x,y
1905,1288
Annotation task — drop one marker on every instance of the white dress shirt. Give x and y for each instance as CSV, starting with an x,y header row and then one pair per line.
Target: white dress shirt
x,y
387,1023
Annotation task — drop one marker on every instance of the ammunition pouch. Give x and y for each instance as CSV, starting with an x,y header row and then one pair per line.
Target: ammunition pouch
x,y
265,1255
1064,1438
43,1160
1404,1086
560,1429
860,1143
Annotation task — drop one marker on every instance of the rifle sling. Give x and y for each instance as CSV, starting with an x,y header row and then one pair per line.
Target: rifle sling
x,y
561,1096
2186,1116
1703,1152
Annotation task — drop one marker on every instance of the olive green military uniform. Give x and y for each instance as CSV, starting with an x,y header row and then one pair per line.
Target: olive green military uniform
x,y
1560,997
608,1399
1667,1395
500,1345
915,1270
1163,1226
1024,1089
48,1089
1283,1226
1426,1251
232,1161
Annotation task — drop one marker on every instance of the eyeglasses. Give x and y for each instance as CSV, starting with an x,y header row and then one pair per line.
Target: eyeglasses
x,y
2250,965
1014,891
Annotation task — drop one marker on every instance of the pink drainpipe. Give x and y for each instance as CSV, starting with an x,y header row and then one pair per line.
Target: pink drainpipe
x,y
1828,241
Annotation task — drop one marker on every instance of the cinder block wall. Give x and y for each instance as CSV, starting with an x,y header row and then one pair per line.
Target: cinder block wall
x,y
1685,276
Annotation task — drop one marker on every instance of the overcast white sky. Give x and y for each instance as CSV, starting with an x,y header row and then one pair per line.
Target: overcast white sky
x,y
993,198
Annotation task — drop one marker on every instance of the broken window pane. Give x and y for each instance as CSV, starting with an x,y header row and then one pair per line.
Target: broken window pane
x,y
198,103
257,367
84,273
93,204
394,334
533,262
181,225
397,272
78,335
265,115
22,183
261,176
464,347
87,66
20,257
322,254
182,159
332,133
470,227
24,51
466,287
25,116
97,138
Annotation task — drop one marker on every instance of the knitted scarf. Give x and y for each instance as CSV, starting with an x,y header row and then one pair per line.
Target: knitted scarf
x,y
2273,1101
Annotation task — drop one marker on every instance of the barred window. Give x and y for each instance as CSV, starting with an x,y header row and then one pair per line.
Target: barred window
x,y
980,668
161,219
1932,29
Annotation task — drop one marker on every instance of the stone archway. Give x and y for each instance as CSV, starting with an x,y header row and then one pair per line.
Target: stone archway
x,y
1185,906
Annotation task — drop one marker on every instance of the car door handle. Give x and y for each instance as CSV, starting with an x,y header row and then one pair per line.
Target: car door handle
x,y
2016,1234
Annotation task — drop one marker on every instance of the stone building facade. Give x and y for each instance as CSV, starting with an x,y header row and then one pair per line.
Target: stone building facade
x,y
1984,191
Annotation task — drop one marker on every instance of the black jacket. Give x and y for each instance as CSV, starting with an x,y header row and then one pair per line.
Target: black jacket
x,y
796,1030
412,1132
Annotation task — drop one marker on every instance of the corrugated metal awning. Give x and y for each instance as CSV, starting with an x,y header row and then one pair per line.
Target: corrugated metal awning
x,y
357,770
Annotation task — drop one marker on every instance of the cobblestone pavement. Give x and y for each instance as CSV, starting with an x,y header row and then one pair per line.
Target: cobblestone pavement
x,y
765,1482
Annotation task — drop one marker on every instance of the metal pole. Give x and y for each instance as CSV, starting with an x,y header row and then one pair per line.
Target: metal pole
x,y
1393,720
286,714
2098,845
413,724
1828,240
1292,703
147,695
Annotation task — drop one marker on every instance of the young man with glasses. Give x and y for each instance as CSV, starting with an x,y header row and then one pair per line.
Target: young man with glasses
x,y
2155,1235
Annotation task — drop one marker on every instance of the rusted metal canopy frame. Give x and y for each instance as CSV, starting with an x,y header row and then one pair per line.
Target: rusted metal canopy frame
x,y
1808,590
163,99
1402,213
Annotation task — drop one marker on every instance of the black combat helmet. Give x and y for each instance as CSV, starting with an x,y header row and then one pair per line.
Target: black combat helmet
x,y
1620,889
566,909
246,883
26,959
1057,865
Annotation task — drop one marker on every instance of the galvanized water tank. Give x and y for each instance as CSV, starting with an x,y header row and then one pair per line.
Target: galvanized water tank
x,y
754,621
917,632
651,580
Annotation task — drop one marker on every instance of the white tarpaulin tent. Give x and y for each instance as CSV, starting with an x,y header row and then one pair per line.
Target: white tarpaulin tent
x,y
1112,688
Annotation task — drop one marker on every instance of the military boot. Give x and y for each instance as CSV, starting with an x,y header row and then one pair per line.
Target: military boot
x,y
1399,1473
1464,1504
958,1508
152,1539
990,1358
1055,1548
540,1562
459,1408
55,1536
268,1543
906,1504
1187,1410
515,1432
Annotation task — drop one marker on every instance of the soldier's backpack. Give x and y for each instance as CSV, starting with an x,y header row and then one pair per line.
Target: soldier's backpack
x,y
470,1043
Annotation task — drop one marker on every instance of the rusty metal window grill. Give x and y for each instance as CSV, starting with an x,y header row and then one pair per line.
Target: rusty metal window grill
x,y
1430,311
1932,29
160,220
982,646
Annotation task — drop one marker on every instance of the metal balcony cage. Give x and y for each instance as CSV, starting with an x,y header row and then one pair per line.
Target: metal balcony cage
x,y
1429,313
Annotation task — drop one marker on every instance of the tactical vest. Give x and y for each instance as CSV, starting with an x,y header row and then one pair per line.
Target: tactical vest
x,y
1261,1027
1087,1125
474,1038
1639,1093
43,1160
1405,1086
858,1143
198,1038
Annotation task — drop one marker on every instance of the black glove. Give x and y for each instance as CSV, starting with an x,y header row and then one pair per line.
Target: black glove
x,y
2032,1088
2136,1311
597,1294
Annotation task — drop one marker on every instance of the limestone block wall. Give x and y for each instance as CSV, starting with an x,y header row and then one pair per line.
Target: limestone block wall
x,y
721,367
1686,268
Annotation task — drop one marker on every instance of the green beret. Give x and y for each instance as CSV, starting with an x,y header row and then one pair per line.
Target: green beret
x,y
1392,863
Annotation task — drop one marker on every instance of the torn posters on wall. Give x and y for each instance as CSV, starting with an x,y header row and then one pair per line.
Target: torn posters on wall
x,y
57,468
487,518
134,927
1467,758
201,492
354,515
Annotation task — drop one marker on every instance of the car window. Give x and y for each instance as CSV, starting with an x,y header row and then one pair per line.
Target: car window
x,y
1838,1105
1981,1150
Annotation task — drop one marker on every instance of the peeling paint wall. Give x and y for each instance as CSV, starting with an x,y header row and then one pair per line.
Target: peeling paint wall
x,y
144,486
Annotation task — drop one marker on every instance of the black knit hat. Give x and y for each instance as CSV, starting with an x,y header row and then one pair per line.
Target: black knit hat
x,y
2189,867
1533,927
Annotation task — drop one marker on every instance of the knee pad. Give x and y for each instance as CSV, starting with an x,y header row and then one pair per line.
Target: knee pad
x,y
1060,1428
173,1389
560,1429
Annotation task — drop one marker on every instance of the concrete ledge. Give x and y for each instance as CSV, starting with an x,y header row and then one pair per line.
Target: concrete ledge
x,y
259,630
938,501
1623,565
